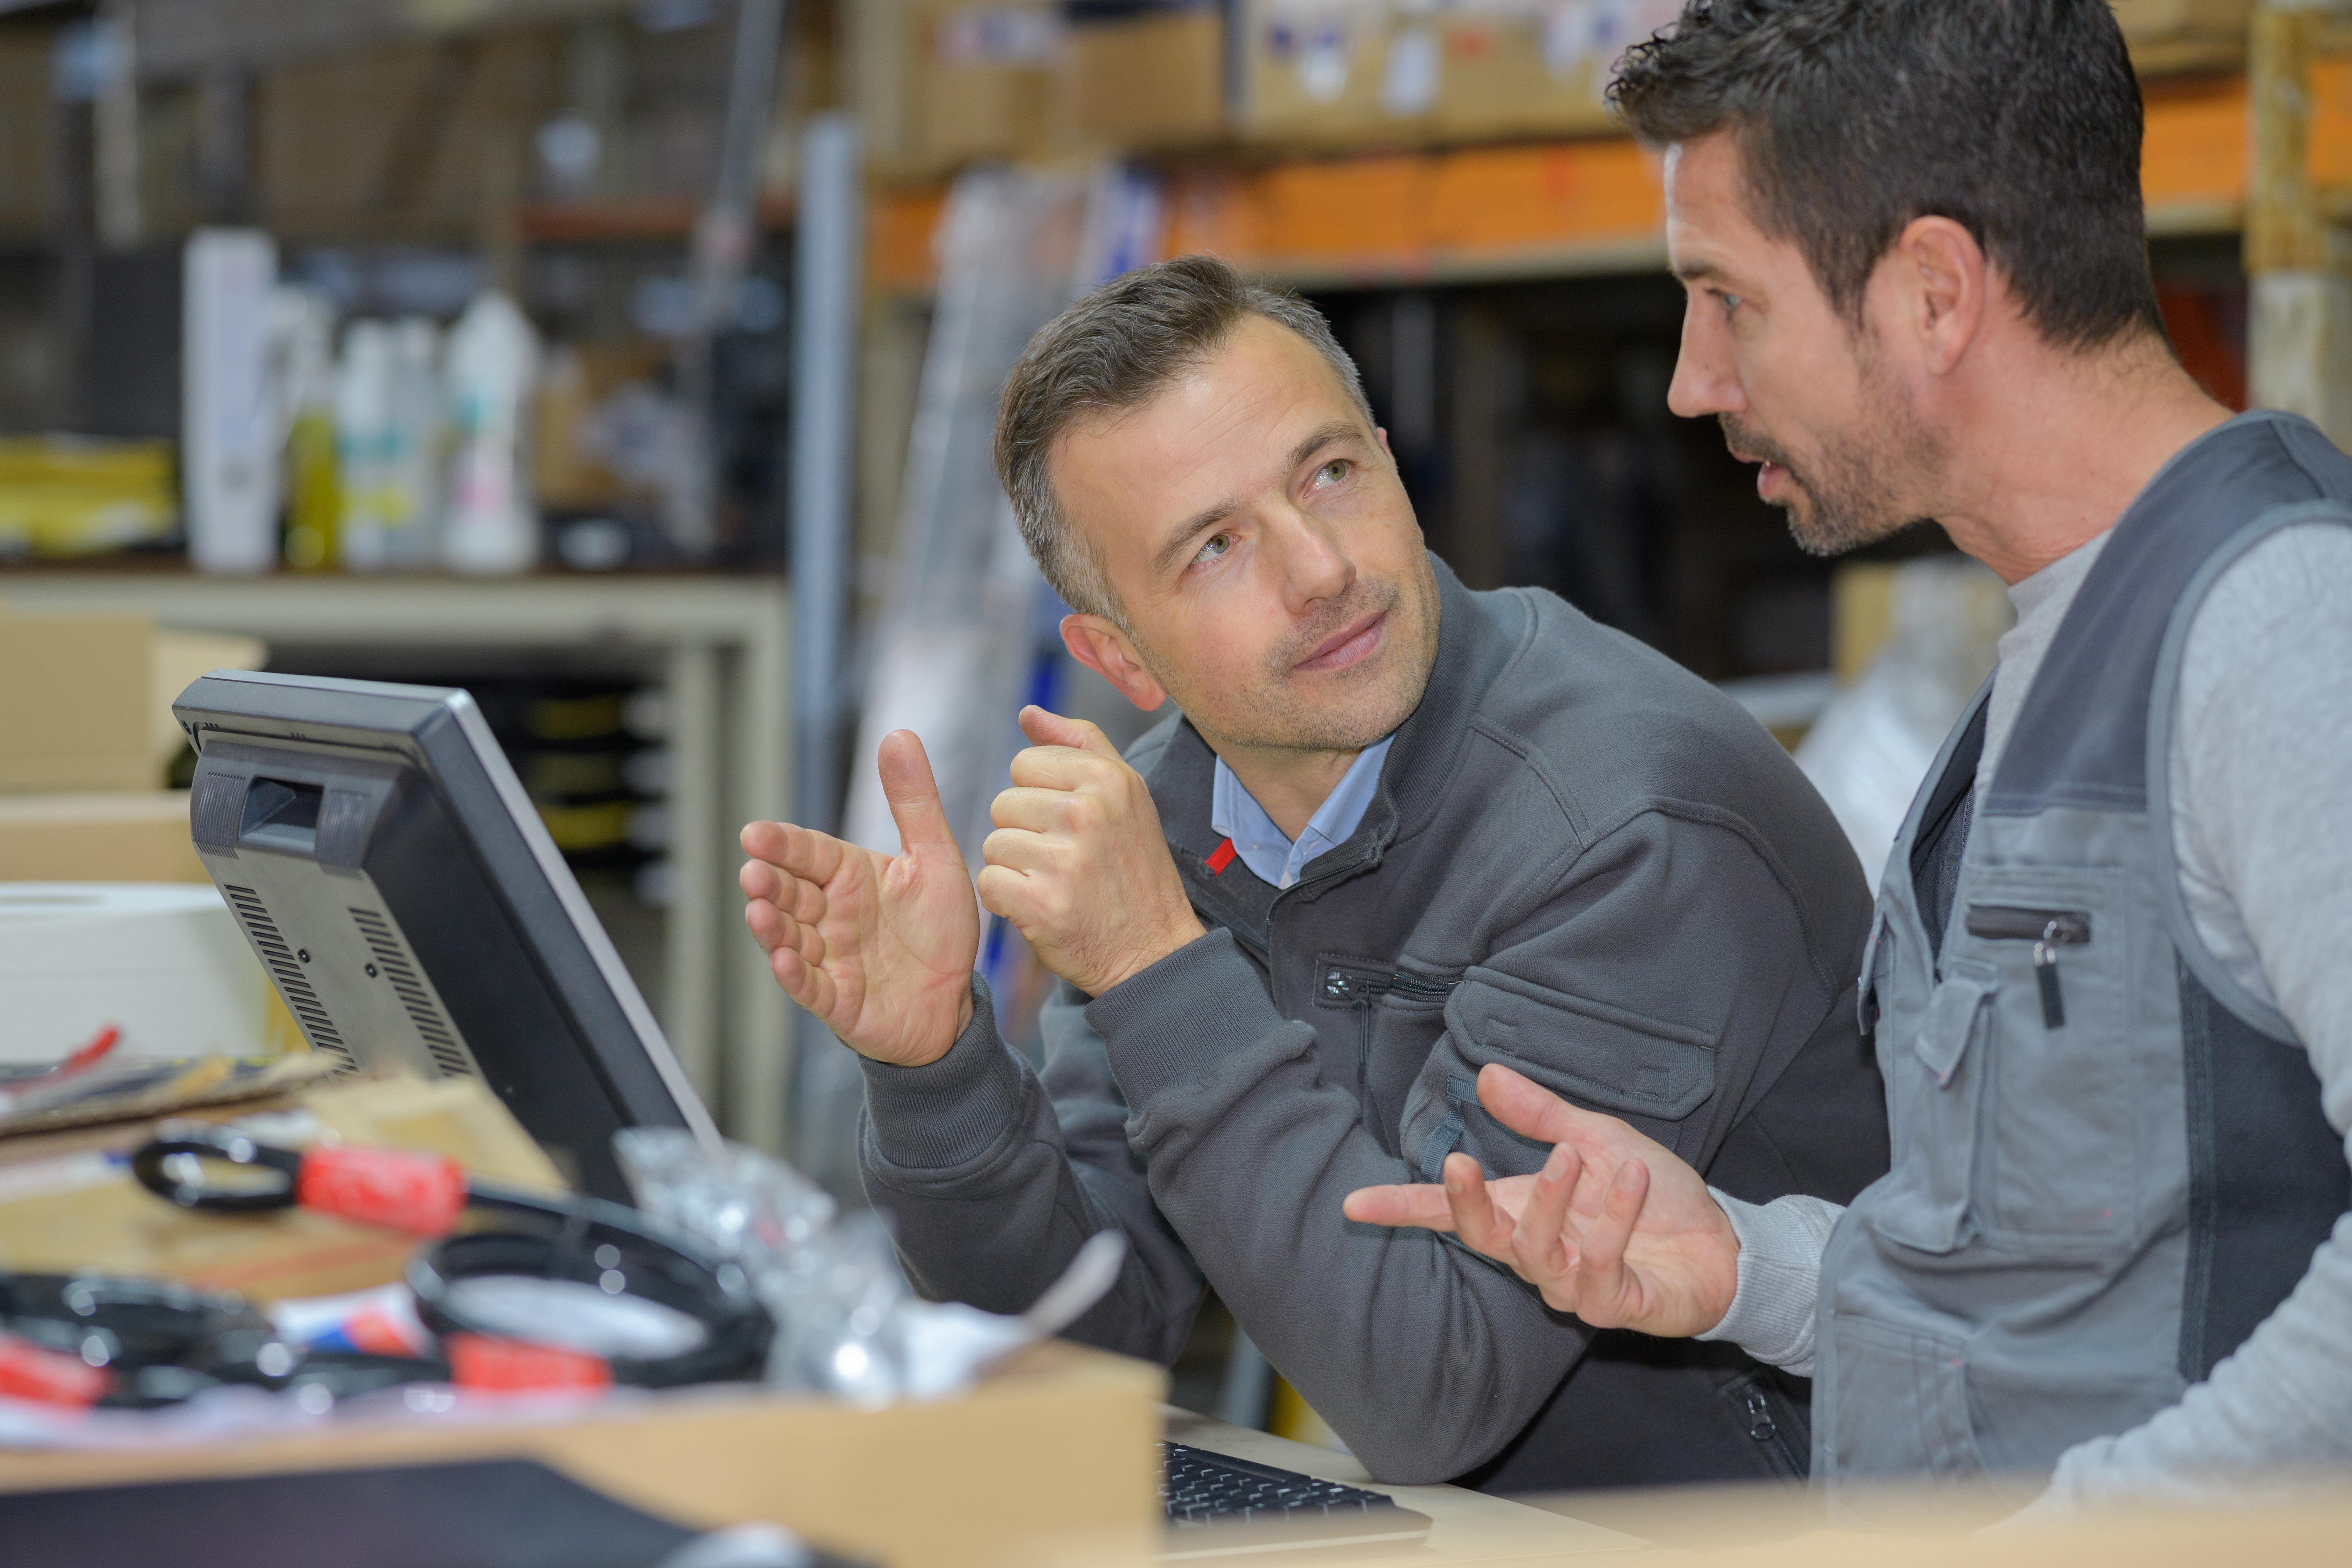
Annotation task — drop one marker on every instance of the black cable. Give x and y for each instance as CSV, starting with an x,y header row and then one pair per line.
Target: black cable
x,y
160,1342
591,1243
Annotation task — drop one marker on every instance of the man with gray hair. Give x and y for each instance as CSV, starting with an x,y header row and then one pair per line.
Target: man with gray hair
x,y
1399,831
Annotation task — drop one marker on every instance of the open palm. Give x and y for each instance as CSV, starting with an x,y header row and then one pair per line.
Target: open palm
x,y
879,947
1614,1228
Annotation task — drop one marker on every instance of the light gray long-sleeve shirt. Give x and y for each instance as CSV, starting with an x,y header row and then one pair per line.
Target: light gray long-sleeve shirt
x,y
2261,774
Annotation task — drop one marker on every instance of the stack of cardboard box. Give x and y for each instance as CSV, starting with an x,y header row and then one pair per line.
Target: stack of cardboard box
x,y
87,740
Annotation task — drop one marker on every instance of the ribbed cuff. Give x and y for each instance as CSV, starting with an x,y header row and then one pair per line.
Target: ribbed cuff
x,y
952,1111
1773,1314
1173,1025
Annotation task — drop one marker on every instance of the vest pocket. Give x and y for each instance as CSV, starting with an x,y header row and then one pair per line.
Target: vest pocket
x,y
2064,1153
1935,1096
1898,1405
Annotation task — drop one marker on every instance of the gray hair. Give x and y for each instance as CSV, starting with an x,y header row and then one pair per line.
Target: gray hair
x,y
1113,351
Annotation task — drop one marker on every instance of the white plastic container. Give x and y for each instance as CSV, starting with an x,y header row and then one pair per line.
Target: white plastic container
x,y
229,432
164,963
491,525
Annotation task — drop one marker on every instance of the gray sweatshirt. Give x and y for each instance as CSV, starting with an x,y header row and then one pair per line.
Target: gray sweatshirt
x,y
1580,860
2262,780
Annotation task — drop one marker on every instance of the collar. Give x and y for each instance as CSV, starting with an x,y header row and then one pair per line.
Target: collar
x,y
1262,845
1476,635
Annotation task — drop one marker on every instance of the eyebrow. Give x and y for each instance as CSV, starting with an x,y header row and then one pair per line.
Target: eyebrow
x,y
1696,271
1201,522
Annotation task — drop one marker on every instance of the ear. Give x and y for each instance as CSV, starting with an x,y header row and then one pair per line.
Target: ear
x,y
1380,434
1102,647
1944,288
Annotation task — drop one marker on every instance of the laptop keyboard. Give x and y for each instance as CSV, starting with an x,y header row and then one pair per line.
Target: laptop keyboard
x,y
1202,1490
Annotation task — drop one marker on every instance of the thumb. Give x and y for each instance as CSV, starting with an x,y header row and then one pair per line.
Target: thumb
x,y
913,794
1527,1107
1046,729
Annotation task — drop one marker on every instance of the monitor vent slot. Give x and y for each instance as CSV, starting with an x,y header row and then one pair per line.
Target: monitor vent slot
x,y
391,957
279,957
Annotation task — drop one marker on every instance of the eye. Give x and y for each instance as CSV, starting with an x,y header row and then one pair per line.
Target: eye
x,y
1217,549
1730,302
1332,472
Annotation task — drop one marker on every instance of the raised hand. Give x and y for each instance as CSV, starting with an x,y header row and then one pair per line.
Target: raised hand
x,y
1077,861
879,947
1614,1228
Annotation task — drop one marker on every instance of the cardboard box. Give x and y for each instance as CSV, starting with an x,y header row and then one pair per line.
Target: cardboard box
x,y
981,80
1314,71
132,835
75,706
1333,71
1538,69
1051,1461
2151,21
86,703
1149,80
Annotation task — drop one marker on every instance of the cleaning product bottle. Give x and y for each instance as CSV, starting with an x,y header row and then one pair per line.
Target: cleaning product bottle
x,y
491,525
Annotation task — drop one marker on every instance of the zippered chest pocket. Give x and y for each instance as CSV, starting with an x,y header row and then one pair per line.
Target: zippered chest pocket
x,y
1385,1001
2063,1134
2048,931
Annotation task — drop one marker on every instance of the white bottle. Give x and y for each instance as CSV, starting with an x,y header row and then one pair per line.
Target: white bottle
x,y
364,443
228,431
491,525
418,425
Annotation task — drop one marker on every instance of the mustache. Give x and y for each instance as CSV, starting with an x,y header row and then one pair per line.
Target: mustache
x,y
1749,444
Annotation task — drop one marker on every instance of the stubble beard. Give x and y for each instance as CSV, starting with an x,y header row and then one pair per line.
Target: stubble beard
x,y
1852,494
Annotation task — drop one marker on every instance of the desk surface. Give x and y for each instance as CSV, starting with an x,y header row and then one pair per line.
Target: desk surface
x,y
1464,1526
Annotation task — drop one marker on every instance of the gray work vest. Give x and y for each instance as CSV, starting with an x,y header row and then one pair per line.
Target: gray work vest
x,y
2110,1161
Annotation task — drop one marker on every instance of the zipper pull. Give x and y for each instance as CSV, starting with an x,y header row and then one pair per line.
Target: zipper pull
x,y
2045,977
1760,1416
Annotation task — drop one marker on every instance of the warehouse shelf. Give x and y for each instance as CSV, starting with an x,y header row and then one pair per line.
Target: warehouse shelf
x,y
1579,207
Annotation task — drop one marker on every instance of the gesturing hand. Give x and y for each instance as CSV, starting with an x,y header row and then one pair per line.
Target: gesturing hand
x,y
879,947
1614,1228
1077,861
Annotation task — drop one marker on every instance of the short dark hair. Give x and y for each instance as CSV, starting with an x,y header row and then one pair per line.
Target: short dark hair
x,y
2019,119
1116,350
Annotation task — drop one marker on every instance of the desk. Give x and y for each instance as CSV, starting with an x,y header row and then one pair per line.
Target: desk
x,y
1464,1526
723,646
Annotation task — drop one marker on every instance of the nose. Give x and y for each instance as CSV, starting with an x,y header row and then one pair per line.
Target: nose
x,y
1313,566
1705,380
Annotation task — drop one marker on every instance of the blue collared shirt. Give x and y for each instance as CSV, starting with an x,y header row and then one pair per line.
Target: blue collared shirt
x,y
1264,848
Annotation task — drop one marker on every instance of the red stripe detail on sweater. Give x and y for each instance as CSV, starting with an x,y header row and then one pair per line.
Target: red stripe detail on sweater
x,y
1221,858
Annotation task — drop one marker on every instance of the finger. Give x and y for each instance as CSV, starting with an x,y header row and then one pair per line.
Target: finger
x,y
1002,892
1475,1219
1422,1205
1036,810
803,901
772,929
1020,850
913,794
1059,769
812,857
1540,1245
1603,1266
1049,729
1530,1109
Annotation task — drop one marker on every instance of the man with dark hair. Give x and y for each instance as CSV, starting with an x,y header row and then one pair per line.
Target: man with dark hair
x,y
1399,830
2108,969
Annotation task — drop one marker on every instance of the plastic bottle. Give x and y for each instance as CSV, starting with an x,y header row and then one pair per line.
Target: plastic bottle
x,y
491,525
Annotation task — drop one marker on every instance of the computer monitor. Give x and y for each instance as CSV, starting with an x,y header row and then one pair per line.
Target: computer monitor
x,y
400,890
